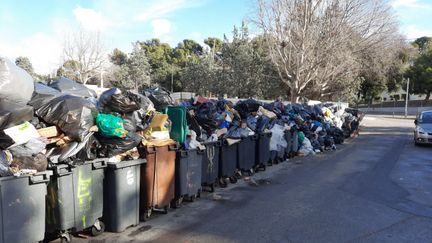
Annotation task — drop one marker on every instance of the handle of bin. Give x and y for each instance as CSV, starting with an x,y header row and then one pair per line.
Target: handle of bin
x,y
150,149
255,137
39,178
99,164
225,142
62,170
173,147
218,143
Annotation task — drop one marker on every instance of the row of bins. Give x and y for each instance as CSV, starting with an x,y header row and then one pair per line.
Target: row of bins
x,y
96,195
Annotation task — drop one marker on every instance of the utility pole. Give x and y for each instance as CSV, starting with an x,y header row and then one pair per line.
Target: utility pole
x,y
406,98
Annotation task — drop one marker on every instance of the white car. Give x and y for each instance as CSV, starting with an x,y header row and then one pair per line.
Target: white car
x,y
423,128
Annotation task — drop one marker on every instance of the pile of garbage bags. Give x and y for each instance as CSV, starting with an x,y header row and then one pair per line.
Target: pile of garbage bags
x,y
65,122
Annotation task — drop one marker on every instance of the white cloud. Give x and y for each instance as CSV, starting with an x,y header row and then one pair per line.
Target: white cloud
x,y
413,32
90,19
404,3
161,8
42,49
161,27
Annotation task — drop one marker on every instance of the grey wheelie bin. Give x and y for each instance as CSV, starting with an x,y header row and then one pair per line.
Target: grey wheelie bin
x,y
228,162
22,212
75,199
188,171
295,143
122,194
210,164
246,154
263,150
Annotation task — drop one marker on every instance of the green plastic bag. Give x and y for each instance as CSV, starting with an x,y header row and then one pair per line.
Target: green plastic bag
x,y
301,137
110,126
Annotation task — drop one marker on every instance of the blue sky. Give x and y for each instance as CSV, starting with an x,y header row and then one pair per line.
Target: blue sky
x,y
36,29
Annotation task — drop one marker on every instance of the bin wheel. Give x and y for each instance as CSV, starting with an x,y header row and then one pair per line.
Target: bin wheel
x,y
250,172
147,214
165,210
223,183
192,198
238,175
198,195
176,203
64,238
261,167
95,231
212,188
233,179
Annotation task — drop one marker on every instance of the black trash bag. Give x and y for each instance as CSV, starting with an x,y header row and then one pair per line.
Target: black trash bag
x,y
142,101
73,115
352,111
160,97
5,140
42,94
245,107
262,123
329,141
135,121
113,146
15,117
89,152
38,163
113,100
193,124
337,134
236,132
67,86
208,117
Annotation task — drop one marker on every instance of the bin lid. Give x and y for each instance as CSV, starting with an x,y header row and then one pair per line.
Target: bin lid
x,y
126,163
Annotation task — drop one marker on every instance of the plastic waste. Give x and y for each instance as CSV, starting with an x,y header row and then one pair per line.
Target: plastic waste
x,y
42,94
22,133
38,162
277,138
160,97
28,149
5,161
16,85
16,116
306,148
114,146
67,86
73,115
113,100
208,117
110,126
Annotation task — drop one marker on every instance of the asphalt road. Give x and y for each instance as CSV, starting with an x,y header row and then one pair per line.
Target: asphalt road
x,y
375,188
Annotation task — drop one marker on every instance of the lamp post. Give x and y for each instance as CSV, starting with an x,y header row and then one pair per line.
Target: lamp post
x,y
406,98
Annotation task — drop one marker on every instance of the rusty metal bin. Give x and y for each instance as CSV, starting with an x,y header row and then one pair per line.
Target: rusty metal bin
x,y
157,178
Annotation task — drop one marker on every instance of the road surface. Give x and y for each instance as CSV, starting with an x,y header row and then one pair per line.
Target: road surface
x,y
375,188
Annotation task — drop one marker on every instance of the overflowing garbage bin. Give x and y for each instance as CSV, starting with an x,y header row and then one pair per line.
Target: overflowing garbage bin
x,y
75,199
188,173
263,150
121,194
22,212
210,164
228,162
157,177
246,154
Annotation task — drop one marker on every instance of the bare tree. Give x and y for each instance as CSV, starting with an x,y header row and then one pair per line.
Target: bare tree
x,y
316,42
86,50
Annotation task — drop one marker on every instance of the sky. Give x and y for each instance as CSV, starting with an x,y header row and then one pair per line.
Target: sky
x,y
37,29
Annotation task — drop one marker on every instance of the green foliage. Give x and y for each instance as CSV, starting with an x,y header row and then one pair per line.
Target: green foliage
x,y
24,63
134,73
421,71
214,43
118,57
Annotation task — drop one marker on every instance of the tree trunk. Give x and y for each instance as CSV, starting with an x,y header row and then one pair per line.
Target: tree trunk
x,y
294,97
